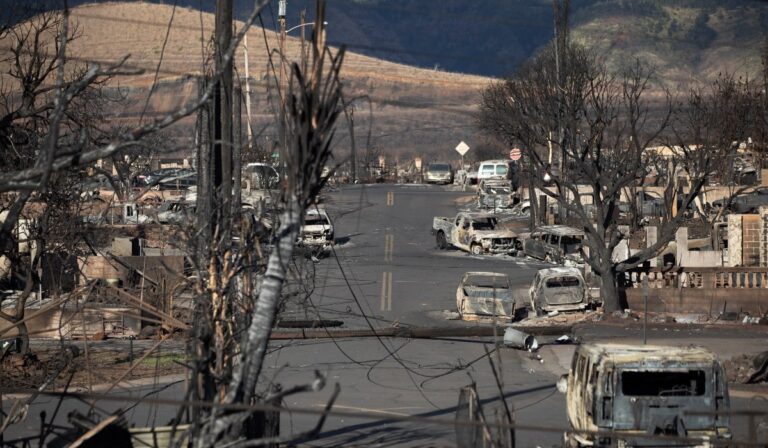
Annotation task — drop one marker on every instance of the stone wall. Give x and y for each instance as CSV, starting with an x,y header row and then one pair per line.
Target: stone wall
x,y
750,243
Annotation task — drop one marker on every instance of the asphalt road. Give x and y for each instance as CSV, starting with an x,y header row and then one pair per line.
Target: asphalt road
x,y
386,263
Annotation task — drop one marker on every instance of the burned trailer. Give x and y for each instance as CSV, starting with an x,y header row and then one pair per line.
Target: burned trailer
x,y
626,395
485,294
560,289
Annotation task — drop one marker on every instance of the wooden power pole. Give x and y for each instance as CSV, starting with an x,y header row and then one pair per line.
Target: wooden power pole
x,y
223,112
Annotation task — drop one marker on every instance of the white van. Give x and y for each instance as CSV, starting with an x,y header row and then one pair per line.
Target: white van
x,y
497,170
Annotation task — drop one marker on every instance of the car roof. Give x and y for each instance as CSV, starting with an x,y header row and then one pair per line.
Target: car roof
x,y
624,353
560,271
496,161
487,274
478,215
560,230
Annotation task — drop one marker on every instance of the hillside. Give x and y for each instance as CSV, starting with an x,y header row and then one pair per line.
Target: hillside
x,y
688,41
424,110
406,111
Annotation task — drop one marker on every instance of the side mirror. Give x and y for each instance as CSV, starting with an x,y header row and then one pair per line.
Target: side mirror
x,y
562,384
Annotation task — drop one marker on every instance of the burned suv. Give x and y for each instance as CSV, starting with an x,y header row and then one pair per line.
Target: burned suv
x,y
631,395
555,244
558,289
317,232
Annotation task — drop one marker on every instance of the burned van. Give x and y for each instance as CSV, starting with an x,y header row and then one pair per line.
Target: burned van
x,y
627,395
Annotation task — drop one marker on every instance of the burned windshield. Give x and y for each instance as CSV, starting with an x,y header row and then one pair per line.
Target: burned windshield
x,y
484,224
487,281
563,282
316,221
688,383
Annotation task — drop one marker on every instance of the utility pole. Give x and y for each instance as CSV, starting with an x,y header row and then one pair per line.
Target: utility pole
x,y
281,90
560,13
223,142
353,159
248,129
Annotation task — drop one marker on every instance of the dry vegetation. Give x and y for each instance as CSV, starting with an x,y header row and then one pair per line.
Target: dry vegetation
x,y
412,111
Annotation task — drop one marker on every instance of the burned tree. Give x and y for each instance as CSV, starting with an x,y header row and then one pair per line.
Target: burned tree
x,y
599,126
47,109
230,358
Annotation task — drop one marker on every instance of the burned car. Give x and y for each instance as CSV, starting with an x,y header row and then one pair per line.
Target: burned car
x,y
638,392
485,294
558,289
555,244
317,232
496,195
477,233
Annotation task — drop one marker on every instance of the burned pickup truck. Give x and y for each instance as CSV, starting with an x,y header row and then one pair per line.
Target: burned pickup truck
x,y
477,233
485,294
629,395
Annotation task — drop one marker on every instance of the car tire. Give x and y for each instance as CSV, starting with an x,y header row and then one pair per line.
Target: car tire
x,y
442,243
476,249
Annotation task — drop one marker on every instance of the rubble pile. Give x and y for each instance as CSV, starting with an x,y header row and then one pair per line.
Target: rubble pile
x,y
747,369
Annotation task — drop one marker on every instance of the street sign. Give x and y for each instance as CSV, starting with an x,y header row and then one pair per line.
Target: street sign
x,y
515,154
462,148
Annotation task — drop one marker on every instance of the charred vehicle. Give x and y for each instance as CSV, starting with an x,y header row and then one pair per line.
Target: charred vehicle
x,y
496,195
485,294
629,394
317,232
555,244
558,289
476,233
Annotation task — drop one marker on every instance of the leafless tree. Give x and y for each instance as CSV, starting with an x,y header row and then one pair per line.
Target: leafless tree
x,y
714,122
32,98
607,124
313,103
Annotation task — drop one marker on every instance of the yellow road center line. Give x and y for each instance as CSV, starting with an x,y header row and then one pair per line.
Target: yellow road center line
x,y
389,246
386,291
390,198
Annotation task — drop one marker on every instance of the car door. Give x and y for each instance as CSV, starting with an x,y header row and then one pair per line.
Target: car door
x,y
530,245
461,233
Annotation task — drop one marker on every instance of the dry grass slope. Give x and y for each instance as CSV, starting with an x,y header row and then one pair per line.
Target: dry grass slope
x,y
414,111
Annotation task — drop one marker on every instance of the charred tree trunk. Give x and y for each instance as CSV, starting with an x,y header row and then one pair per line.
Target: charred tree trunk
x,y
609,290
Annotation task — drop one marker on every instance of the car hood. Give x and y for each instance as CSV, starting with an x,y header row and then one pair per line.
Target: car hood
x,y
315,228
495,234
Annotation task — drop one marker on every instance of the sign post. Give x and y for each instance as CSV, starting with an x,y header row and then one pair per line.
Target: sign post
x,y
462,149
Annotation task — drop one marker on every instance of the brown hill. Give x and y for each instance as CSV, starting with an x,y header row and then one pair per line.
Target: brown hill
x,y
407,111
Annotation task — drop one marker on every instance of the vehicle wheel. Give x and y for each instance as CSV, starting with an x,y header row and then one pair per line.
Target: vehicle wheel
x,y
442,243
526,210
476,249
